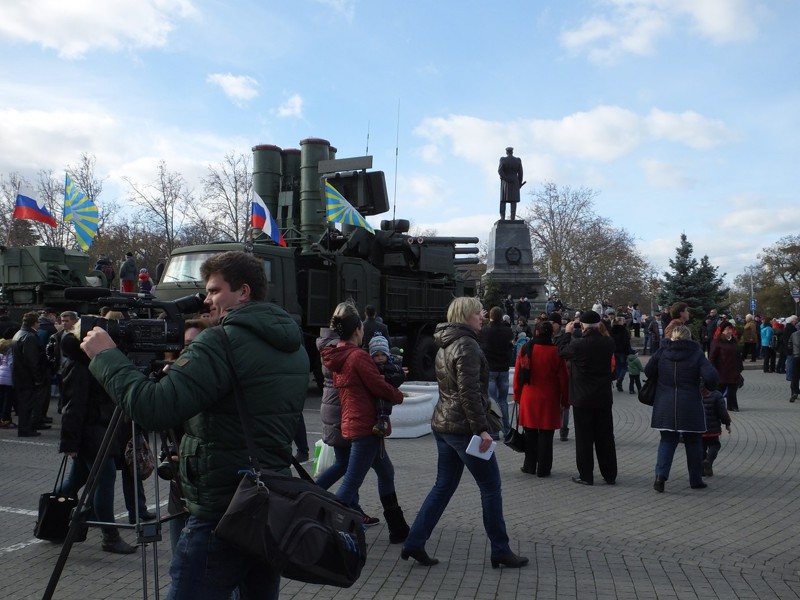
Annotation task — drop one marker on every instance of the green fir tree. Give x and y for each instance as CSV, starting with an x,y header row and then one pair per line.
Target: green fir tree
x,y
697,284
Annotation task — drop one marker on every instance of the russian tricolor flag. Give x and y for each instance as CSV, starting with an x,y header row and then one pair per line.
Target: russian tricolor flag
x,y
262,219
28,208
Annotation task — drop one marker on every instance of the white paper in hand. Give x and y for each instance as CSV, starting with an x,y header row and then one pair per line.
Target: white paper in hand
x,y
474,448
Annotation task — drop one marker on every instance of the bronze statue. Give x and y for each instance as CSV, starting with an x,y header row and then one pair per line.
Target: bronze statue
x,y
510,171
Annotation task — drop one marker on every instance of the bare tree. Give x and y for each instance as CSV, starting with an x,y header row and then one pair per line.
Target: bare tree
x,y
224,212
582,255
165,202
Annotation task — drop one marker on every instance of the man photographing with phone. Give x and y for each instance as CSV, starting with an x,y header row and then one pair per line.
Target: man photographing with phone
x,y
197,392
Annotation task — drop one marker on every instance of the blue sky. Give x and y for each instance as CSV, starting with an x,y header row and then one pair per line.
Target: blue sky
x,y
682,114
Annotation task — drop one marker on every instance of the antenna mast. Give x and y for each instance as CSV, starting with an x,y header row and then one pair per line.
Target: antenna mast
x,y
396,154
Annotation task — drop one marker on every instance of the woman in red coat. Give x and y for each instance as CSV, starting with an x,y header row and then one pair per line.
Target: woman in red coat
x,y
540,397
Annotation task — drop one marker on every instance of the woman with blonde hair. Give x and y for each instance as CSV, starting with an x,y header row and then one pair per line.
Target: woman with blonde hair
x,y
678,411
462,412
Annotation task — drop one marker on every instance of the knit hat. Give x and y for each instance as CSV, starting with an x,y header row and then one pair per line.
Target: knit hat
x,y
590,317
378,344
142,270
129,254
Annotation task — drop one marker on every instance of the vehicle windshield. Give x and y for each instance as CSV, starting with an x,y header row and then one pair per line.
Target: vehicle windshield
x,y
186,268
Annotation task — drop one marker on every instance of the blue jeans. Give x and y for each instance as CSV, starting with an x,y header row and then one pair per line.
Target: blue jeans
x,y
453,457
366,453
206,568
498,389
621,367
693,443
337,470
103,501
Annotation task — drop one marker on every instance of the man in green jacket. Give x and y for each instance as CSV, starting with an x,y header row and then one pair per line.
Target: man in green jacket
x,y
272,367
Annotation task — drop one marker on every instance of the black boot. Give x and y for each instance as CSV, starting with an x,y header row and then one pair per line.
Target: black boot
x,y
398,528
113,542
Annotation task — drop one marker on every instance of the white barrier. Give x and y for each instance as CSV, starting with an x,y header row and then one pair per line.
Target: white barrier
x,y
412,418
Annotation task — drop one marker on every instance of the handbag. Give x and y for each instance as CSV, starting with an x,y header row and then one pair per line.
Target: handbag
x,y
290,524
145,460
55,511
515,439
647,395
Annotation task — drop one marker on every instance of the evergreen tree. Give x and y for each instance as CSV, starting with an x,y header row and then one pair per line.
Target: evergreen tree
x,y
491,294
697,284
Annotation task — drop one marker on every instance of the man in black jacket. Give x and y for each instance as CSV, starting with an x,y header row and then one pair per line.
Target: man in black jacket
x,y
30,376
372,325
496,341
589,354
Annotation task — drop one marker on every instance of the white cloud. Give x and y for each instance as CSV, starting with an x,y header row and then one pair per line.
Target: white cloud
x,y
76,27
293,107
636,26
690,128
664,175
236,87
600,135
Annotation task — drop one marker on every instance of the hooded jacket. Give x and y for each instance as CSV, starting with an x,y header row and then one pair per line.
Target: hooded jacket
x,y
678,405
272,367
330,410
360,384
462,373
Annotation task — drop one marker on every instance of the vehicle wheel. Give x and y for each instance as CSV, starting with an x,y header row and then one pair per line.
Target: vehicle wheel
x,y
423,367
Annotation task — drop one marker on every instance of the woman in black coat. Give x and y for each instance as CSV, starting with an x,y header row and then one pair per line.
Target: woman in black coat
x,y
678,413
727,360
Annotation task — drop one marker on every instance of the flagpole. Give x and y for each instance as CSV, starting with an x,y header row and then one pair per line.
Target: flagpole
x,y
396,154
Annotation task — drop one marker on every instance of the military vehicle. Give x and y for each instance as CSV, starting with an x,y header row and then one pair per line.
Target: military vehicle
x,y
409,280
35,277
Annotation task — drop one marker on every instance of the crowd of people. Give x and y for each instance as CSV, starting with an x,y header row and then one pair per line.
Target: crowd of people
x,y
563,365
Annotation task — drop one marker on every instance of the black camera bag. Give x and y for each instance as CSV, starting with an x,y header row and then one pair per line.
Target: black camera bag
x,y
291,524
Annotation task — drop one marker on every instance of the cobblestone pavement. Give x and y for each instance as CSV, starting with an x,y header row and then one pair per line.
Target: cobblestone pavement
x,y
739,538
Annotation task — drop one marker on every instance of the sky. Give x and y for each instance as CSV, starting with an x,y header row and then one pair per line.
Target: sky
x,y
683,115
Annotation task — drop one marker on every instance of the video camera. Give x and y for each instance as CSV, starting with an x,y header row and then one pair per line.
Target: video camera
x,y
143,340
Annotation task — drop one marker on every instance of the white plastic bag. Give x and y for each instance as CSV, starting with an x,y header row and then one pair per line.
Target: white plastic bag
x,y
323,457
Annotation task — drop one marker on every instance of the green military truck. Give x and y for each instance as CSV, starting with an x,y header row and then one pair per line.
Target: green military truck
x,y
409,280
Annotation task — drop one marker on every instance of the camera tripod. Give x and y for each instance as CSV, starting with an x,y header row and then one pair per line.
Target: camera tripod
x,y
146,533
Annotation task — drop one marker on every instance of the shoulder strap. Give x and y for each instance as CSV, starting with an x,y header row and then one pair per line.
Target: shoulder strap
x,y
247,427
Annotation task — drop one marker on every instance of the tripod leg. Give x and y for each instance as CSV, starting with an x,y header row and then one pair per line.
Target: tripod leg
x,y
88,492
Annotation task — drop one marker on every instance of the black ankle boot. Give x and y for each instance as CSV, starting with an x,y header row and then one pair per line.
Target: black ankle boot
x,y
509,561
395,521
420,556
659,484
113,542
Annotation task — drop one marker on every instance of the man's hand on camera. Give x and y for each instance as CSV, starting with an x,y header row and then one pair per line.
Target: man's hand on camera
x,y
97,341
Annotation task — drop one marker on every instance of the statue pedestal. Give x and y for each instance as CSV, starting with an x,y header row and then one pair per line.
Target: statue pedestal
x,y
509,264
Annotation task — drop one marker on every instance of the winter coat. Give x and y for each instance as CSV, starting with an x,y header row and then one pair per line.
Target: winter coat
x,y
787,334
371,327
794,345
727,360
87,411
272,368
6,363
462,373
749,333
360,384
542,397
330,410
28,369
392,372
145,283
635,366
622,339
678,404
716,412
766,336
127,270
497,343
589,357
